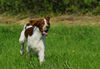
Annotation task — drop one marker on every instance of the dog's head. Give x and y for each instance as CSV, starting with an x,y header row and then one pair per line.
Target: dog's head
x,y
42,24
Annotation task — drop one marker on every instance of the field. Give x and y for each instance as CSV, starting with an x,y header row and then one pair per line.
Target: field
x,y
66,48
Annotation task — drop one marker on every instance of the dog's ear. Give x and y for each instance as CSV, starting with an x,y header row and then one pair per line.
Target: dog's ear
x,y
47,18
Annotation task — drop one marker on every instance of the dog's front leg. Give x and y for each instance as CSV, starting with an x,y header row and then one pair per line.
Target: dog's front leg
x,y
22,49
41,56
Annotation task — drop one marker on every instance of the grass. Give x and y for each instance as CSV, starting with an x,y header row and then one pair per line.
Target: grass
x,y
66,48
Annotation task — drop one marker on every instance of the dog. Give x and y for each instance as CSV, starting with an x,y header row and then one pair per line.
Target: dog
x,y
34,33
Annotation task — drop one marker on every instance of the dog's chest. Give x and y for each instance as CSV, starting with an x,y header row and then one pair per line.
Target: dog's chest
x,y
36,40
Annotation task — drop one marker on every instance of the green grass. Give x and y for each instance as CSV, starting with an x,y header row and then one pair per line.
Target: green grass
x,y
66,48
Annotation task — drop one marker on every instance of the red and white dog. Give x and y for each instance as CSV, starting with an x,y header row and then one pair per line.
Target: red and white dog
x,y
34,34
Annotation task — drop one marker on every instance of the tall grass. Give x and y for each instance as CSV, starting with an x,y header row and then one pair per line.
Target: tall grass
x,y
66,48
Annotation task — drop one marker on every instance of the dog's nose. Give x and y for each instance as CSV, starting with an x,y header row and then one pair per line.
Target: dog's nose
x,y
48,26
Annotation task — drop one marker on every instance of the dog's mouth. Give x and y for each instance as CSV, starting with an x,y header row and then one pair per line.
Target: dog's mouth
x,y
45,33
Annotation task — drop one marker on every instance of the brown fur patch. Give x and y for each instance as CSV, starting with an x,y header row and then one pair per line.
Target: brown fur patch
x,y
29,32
39,23
31,22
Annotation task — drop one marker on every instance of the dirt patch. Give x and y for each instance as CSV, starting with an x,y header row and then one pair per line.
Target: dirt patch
x,y
7,20
70,20
66,20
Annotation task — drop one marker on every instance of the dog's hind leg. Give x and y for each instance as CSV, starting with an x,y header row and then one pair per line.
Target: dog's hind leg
x,y
22,40
27,51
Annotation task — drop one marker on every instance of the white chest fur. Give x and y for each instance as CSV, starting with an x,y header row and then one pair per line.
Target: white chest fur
x,y
36,41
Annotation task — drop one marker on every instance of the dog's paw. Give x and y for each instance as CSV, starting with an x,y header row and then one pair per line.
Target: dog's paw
x,y
21,52
41,62
28,55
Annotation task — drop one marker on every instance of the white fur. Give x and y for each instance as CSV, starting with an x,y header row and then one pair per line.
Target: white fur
x,y
28,26
35,42
44,27
45,22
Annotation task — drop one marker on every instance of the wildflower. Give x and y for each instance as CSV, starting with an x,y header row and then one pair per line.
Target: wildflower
x,y
73,51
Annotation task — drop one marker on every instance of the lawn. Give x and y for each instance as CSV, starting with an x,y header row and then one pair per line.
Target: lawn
x,y
66,48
